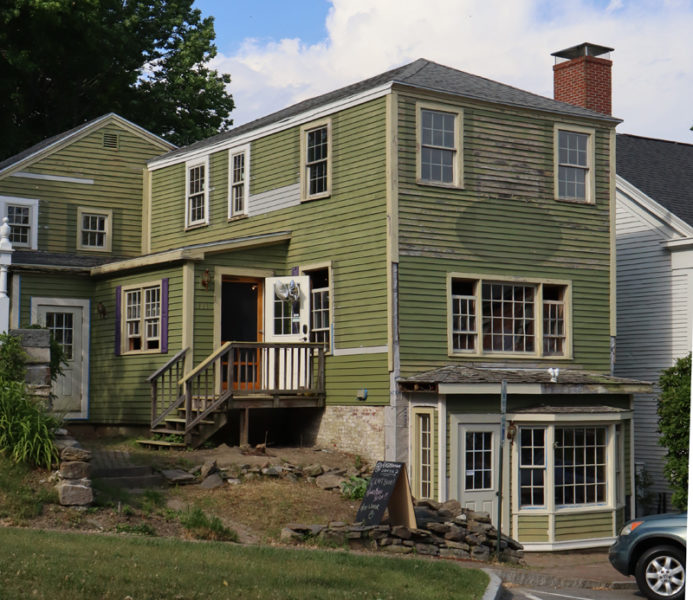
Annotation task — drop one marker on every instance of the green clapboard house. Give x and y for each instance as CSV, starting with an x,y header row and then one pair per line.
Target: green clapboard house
x,y
368,270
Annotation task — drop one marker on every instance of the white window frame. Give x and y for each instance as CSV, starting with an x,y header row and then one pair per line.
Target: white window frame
x,y
538,316
142,318
419,483
307,270
305,167
33,205
245,182
588,168
189,166
83,211
458,159
614,450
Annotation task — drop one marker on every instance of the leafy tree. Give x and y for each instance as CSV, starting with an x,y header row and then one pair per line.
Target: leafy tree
x,y
64,62
674,425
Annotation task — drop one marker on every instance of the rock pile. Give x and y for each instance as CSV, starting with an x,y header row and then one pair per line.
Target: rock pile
x,y
211,475
443,529
74,485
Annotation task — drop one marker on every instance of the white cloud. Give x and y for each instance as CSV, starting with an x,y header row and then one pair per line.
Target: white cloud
x,y
509,42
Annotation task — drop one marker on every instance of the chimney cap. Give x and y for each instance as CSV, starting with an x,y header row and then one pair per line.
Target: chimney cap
x,y
584,49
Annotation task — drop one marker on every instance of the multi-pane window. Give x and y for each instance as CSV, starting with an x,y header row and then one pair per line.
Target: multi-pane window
x,y
580,465
463,315
507,317
554,320
143,318
573,165
532,466
424,431
196,195
93,230
287,310
61,326
317,156
320,306
438,146
478,460
19,219
238,184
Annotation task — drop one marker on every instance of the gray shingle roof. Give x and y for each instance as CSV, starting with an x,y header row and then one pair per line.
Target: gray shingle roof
x,y
39,258
661,169
423,74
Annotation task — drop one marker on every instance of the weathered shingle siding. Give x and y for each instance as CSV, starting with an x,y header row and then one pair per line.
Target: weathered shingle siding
x,y
504,222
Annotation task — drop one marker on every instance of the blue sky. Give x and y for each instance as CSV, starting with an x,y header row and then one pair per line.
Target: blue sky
x,y
282,51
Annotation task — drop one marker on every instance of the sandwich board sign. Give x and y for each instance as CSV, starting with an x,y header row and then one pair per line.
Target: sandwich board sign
x,y
388,488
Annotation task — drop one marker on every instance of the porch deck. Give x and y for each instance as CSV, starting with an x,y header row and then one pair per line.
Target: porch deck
x,y
239,375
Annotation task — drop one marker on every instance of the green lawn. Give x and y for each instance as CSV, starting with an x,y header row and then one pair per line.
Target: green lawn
x,y
56,566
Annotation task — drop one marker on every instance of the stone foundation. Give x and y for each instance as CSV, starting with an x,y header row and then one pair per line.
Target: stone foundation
x,y
354,429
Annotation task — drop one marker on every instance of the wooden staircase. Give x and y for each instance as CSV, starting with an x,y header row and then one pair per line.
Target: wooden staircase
x,y
188,408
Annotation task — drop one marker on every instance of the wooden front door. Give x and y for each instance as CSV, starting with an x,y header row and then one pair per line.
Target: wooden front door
x,y
241,321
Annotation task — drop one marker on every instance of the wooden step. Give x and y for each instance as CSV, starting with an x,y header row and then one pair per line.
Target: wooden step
x,y
181,420
167,431
160,444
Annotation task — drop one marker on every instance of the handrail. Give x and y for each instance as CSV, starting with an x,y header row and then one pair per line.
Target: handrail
x,y
211,358
168,365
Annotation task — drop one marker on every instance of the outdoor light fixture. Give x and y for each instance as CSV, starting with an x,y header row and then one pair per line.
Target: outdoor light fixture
x,y
204,280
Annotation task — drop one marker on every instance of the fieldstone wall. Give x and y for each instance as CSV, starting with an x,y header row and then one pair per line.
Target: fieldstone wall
x,y
355,429
446,530
74,485
37,345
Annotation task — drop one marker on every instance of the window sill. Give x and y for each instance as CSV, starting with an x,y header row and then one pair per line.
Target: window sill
x,y
237,218
192,226
440,184
506,355
316,197
140,352
588,201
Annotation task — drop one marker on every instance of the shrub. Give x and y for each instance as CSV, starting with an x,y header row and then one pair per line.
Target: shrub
x,y
12,358
674,424
203,527
26,429
355,488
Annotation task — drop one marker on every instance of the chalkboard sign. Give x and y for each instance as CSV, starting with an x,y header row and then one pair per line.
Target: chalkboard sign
x,y
388,488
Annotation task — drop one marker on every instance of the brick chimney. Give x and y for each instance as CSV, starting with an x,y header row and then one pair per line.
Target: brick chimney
x,y
581,78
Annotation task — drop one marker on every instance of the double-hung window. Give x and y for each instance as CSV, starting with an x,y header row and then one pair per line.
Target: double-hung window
x,y
94,229
316,160
239,169
574,164
142,318
197,193
510,317
22,217
439,145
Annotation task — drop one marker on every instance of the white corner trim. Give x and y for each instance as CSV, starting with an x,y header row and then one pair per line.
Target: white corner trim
x,y
60,178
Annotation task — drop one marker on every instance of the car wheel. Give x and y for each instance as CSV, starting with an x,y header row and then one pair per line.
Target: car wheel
x,y
661,573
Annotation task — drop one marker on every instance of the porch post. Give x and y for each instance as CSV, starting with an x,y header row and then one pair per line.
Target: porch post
x,y
245,418
5,261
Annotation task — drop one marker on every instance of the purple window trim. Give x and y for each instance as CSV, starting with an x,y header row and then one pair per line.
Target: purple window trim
x,y
164,315
118,293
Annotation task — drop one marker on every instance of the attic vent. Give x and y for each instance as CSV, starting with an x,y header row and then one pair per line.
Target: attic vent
x,y
110,140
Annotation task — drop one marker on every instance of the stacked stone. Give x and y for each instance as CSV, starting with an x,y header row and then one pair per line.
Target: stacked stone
x,y
74,485
444,529
36,344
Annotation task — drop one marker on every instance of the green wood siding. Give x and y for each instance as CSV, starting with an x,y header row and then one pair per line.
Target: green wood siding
x,y
46,285
582,526
348,229
117,185
504,222
533,528
119,392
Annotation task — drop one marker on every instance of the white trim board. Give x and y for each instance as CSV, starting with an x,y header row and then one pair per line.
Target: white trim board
x,y
60,178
